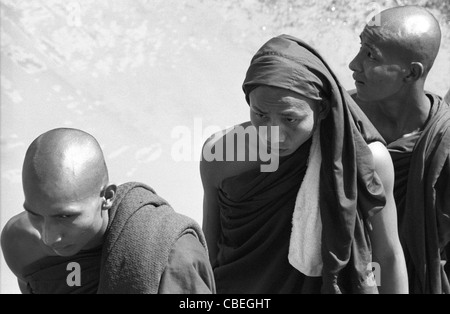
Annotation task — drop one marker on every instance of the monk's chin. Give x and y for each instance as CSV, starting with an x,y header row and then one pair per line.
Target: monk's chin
x,y
285,152
66,252
363,96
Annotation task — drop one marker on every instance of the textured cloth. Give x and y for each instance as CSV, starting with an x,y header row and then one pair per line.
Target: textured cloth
x,y
422,193
142,233
350,190
188,270
169,243
305,248
49,275
256,214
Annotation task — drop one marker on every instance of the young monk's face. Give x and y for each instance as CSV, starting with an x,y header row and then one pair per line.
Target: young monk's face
x,y
295,115
67,222
378,68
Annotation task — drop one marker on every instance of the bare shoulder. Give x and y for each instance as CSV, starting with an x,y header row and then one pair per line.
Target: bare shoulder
x,y
383,163
220,154
20,243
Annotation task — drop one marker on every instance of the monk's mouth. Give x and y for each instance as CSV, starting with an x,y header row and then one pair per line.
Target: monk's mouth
x,y
279,149
62,248
357,82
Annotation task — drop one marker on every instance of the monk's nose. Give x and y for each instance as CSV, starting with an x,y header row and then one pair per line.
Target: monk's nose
x,y
282,136
277,135
355,64
50,234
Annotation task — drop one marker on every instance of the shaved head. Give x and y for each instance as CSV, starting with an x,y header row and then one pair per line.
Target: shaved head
x,y
65,161
413,31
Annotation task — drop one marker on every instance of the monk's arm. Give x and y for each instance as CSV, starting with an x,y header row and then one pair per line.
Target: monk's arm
x,y
443,205
20,247
188,270
23,286
387,250
211,218
10,243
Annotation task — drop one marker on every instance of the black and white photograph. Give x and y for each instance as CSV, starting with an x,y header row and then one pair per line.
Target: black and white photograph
x,y
225,148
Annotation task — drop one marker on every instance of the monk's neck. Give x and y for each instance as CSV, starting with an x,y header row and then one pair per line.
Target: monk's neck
x,y
402,116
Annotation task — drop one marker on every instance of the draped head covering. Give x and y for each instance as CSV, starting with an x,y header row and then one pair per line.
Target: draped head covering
x,y
349,190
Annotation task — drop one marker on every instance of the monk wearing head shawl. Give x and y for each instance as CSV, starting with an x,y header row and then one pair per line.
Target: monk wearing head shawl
x,y
317,222
81,234
390,71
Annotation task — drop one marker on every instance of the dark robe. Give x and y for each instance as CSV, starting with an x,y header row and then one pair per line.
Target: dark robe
x,y
422,194
138,243
148,248
49,275
256,209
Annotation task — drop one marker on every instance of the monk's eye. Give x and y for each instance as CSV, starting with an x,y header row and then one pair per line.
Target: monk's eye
x,y
371,56
260,115
292,120
65,216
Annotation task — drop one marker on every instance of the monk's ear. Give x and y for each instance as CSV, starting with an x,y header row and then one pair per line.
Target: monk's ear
x,y
109,196
416,71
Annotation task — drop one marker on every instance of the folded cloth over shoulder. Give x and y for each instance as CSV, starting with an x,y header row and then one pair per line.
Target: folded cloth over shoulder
x,y
350,191
306,238
142,232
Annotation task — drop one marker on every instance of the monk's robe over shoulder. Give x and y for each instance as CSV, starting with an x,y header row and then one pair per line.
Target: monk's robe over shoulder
x,y
148,248
142,234
256,209
422,193
256,213
50,274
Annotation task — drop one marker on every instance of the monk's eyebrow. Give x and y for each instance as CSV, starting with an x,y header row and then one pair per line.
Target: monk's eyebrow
x,y
254,107
30,211
294,113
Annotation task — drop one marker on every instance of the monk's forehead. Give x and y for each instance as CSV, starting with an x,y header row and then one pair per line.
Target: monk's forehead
x,y
73,173
62,185
376,35
382,39
289,98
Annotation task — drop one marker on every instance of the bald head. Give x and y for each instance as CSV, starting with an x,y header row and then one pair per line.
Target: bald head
x,y
413,31
64,161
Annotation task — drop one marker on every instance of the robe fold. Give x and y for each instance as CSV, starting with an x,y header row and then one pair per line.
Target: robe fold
x,y
256,214
148,248
422,193
49,275
138,242
256,209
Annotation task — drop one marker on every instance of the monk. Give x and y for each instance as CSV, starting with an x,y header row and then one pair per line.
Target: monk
x,y
447,97
316,221
81,234
390,73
